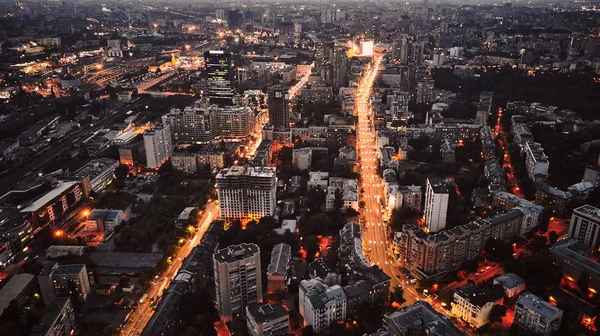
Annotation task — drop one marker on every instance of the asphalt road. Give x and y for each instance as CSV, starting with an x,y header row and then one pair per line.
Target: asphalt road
x,y
374,229
139,318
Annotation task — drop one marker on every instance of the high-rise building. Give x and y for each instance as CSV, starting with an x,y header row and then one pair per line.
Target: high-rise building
x,y
247,192
425,91
71,280
267,320
436,205
158,147
237,279
190,125
277,99
536,315
399,105
232,121
234,19
219,77
585,226
439,57
340,71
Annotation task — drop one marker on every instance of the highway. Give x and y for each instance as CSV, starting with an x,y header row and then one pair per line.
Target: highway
x,y
138,318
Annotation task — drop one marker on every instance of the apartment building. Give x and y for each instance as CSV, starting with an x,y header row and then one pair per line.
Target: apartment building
x,y
58,319
505,201
232,122
71,278
585,226
320,305
191,125
419,319
536,161
428,256
104,220
573,258
267,320
247,192
158,146
484,108
536,315
436,205
237,279
473,305
184,162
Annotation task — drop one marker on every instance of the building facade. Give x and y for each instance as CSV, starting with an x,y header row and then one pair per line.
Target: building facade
x,y
436,205
247,192
232,122
536,315
58,319
585,226
71,279
277,100
320,305
267,320
158,146
237,279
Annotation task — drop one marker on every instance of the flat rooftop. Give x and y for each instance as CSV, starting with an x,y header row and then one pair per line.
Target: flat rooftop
x,y
96,167
125,259
265,312
236,252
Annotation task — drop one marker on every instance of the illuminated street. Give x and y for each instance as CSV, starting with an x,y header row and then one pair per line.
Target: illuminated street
x,y
374,231
142,314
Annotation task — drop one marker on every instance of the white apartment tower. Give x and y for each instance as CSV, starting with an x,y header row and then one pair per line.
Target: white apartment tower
x,y
157,143
237,279
247,192
436,205
585,226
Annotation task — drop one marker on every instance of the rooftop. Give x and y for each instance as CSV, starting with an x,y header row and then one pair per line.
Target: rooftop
x,y
535,303
421,313
236,252
574,250
58,190
265,312
96,167
69,269
104,214
280,259
475,295
333,293
588,211
125,259
51,315
510,280
13,288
